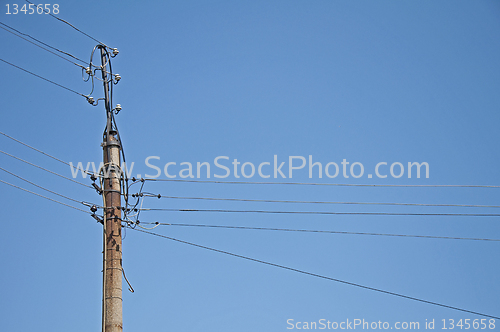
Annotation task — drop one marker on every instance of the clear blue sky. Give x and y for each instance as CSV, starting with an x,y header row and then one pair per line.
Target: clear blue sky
x,y
365,81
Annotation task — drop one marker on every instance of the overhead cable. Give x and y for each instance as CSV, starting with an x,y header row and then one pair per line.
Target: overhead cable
x,y
71,25
29,41
318,231
50,199
316,275
333,184
314,202
45,79
45,154
326,212
46,170
43,188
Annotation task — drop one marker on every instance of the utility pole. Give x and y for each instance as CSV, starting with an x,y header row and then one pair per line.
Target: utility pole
x,y
112,251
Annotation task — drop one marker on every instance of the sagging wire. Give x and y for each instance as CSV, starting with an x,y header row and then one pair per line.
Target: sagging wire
x,y
131,211
130,288
138,224
137,210
132,219
139,196
157,224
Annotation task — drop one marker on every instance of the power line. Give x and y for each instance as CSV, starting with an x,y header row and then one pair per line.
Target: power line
x,y
315,275
333,184
48,155
325,212
36,185
45,79
50,199
29,41
35,149
317,231
283,201
315,202
46,170
71,25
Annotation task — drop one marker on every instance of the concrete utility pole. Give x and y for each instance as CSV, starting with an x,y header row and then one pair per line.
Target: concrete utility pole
x,y
112,251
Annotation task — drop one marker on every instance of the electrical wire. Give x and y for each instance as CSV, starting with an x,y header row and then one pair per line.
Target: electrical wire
x,y
317,231
334,184
41,42
112,120
327,212
43,78
314,202
296,183
46,170
148,228
71,25
46,154
84,69
315,274
139,199
98,68
29,41
29,146
38,186
50,199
